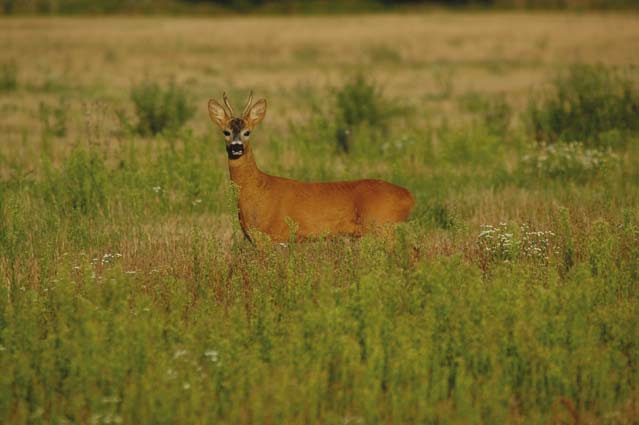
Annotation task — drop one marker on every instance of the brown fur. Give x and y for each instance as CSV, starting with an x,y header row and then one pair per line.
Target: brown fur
x,y
270,204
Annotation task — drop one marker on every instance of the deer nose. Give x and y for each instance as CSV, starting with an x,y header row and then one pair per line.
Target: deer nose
x,y
237,147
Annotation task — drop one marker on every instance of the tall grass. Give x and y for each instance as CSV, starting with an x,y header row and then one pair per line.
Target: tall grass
x,y
591,104
159,109
357,117
330,331
129,294
8,77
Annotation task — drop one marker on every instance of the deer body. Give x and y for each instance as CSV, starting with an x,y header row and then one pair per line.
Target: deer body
x,y
271,204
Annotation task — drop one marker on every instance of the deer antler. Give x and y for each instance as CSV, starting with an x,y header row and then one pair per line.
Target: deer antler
x,y
248,103
227,103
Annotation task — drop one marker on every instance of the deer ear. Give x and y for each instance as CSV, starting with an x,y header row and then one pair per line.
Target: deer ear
x,y
256,113
218,114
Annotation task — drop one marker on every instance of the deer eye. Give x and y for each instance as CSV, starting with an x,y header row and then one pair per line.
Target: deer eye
x,y
227,133
247,133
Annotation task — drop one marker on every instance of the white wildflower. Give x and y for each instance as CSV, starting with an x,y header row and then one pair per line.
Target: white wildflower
x,y
212,355
180,353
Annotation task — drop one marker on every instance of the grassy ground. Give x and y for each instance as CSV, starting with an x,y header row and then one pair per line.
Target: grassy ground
x,y
128,294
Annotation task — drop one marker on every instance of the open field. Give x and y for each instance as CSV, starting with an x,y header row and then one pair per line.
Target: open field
x,y
128,294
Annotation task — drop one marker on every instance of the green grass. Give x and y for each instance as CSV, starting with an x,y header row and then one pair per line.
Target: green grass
x,y
158,109
591,104
8,77
129,295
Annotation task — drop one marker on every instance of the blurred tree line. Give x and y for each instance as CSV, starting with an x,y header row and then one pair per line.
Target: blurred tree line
x,y
284,6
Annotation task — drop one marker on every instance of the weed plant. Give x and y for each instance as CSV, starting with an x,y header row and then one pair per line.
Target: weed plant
x,y
159,109
8,77
361,112
359,101
568,161
588,103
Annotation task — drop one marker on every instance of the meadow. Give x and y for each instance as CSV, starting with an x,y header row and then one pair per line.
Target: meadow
x,y
128,294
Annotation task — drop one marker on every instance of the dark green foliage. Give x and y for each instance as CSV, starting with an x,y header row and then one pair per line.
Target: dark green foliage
x,y
360,103
8,77
160,108
286,6
588,103
356,120
50,7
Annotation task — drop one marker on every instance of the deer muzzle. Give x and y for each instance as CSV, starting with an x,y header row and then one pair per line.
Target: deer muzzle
x,y
235,149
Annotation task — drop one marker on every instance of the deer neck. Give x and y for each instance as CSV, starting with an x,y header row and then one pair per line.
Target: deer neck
x,y
244,171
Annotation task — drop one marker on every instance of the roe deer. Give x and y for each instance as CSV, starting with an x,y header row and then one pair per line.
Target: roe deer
x,y
268,203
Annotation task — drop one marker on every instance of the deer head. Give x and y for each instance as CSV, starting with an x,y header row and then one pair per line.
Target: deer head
x,y
237,130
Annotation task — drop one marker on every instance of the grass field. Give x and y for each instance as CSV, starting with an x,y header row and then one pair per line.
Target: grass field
x,y
128,294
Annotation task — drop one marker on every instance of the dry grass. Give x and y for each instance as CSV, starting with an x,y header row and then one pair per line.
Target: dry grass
x,y
97,60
